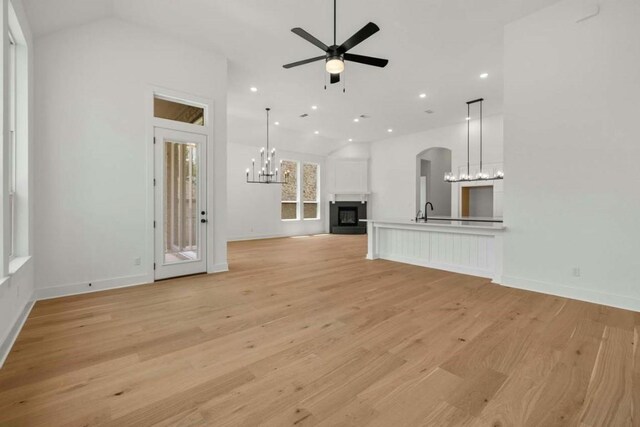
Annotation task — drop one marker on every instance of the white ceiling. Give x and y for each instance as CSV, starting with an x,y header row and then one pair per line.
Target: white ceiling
x,y
437,47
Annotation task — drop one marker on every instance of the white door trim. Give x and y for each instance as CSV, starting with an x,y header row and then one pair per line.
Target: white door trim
x,y
208,131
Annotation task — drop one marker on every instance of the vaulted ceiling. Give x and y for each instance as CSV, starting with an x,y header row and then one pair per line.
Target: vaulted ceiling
x,y
436,47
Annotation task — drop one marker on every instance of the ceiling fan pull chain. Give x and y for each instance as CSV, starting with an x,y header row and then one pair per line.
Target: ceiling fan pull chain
x,y
344,82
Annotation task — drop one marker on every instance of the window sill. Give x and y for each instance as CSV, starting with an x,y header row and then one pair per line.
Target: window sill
x,y
312,219
17,263
289,220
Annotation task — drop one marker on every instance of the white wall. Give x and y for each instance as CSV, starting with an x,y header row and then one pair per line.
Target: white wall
x,y
254,209
393,165
93,166
572,197
16,290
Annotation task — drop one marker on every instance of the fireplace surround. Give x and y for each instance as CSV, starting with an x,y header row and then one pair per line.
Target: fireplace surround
x,y
344,217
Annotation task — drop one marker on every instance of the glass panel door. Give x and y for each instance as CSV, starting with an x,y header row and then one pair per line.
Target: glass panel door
x,y
181,218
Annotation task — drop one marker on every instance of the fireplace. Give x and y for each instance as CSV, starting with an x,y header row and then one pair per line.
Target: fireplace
x,y
344,217
347,216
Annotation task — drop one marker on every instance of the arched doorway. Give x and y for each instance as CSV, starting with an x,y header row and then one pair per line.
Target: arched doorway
x,y
431,165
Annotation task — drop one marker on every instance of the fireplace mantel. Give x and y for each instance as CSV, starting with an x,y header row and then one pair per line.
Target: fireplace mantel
x,y
357,195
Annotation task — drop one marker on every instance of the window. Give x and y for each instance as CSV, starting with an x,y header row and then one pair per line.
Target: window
x,y
13,90
303,184
290,199
310,193
177,111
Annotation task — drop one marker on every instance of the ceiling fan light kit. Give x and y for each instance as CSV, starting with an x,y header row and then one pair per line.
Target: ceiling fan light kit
x,y
335,66
335,55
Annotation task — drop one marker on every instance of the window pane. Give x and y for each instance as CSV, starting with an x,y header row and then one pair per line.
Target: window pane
x,y
310,210
181,224
310,182
171,110
289,210
290,189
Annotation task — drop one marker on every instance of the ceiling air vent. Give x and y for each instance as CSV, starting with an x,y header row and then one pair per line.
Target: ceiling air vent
x,y
364,116
429,111
304,115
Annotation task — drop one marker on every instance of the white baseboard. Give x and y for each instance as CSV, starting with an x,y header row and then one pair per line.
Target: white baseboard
x,y
7,344
96,286
259,237
219,268
588,295
272,236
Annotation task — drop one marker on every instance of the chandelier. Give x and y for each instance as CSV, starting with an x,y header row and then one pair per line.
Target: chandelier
x,y
481,175
267,173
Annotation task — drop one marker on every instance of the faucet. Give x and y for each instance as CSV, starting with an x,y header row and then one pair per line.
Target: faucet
x,y
418,215
426,216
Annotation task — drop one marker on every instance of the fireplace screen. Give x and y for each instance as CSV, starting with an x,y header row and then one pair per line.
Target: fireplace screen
x,y
347,216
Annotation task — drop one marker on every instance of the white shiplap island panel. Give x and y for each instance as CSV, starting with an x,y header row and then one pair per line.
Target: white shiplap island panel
x,y
474,248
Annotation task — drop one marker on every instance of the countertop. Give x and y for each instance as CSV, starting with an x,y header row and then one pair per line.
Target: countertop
x,y
476,223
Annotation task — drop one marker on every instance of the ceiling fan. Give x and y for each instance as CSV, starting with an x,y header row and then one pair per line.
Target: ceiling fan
x,y
336,55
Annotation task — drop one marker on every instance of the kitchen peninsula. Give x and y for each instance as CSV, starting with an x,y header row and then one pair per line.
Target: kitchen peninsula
x,y
468,246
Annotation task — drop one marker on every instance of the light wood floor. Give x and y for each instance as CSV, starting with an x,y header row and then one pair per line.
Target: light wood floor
x,y
306,332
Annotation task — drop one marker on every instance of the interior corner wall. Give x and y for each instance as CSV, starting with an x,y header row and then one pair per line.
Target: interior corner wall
x,y
93,166
254,210
571,153
393,165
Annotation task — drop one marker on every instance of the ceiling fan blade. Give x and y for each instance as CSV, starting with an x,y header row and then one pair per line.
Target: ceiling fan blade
x,y
335,78
364,33
368,60
308,37
305,61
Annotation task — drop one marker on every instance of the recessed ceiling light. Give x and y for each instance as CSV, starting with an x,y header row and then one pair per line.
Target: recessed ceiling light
x,y
389,130
356,120
277,123
423,95
350,139
254,89
317,132
314,107
484,75
468,118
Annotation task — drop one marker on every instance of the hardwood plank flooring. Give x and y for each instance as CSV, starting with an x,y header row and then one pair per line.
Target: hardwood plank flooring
x,y
307,332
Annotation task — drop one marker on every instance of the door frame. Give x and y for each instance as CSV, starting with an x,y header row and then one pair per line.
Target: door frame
x,y
208,131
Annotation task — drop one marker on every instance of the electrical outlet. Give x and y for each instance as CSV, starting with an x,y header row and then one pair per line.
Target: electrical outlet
x,y
137,261
576,271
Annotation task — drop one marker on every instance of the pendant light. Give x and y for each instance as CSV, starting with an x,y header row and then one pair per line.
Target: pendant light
x,y
481,175
267,174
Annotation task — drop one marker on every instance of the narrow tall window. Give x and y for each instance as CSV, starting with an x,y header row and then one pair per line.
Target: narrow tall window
x,y
310,193
290,191
13,90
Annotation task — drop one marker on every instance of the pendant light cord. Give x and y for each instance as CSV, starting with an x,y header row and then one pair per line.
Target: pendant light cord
x,y
268,131
481,136
468,133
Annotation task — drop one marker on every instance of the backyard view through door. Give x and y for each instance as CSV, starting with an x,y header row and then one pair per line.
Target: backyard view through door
x,y
180,203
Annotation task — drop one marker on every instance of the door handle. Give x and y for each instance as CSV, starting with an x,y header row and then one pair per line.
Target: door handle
x,y
203,220
203,213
